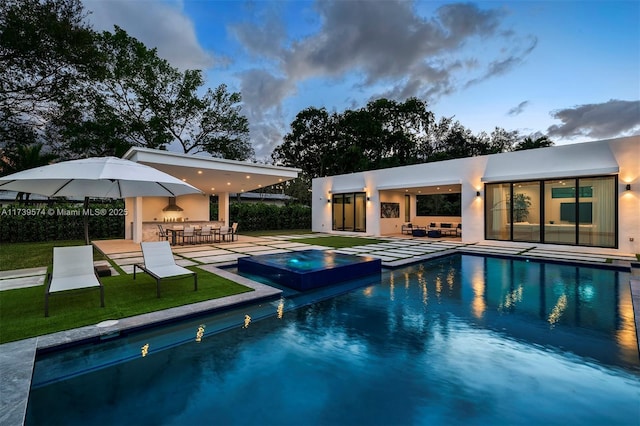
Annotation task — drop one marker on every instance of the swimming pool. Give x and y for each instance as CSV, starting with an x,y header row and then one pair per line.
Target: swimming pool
x,y
460,340
308,269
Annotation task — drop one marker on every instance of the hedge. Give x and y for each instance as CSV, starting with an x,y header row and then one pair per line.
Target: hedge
x,y
265,217
60,221
64,221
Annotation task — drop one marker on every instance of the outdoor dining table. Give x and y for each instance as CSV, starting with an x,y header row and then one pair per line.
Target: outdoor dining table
x,y
176,232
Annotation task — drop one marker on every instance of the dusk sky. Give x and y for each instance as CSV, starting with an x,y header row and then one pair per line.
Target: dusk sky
x,y
567,69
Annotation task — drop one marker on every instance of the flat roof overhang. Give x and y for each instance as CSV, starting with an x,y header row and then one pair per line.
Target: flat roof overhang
x,y
213,175
427,187
549,163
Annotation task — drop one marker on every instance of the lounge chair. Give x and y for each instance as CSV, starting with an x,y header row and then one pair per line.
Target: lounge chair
x,y
160,264
72,269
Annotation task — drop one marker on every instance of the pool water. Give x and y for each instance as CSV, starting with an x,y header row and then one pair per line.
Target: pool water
x,y
309,269
462,340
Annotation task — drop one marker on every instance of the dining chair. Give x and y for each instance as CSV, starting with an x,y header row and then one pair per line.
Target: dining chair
x,y
189,234
206,234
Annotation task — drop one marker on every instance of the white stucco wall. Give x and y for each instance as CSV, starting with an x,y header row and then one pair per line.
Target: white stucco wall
x,y
585,159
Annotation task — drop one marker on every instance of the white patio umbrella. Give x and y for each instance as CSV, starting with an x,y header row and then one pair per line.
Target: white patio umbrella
x,y
98,177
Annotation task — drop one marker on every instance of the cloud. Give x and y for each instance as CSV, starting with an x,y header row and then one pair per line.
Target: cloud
x,y
386,47
159,25
604,120
517,110
384,39
265,40
383,42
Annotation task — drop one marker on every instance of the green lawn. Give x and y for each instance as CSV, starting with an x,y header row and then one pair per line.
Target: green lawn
x,y
22,310
33,255
338,242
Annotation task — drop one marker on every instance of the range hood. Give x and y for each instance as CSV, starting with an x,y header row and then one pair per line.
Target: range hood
x,y
172,207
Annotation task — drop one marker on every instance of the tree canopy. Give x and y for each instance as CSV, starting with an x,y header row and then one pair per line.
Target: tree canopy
x,y
87,93
385,133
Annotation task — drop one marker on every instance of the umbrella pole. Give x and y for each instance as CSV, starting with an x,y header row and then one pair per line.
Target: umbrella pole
x,y
86,220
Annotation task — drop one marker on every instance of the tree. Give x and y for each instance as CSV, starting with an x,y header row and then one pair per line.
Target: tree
x,y
530,143
311,143
141,100
45,50
23,157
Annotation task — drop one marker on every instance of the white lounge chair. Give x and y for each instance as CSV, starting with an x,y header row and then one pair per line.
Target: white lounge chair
x,y
72,269
160,264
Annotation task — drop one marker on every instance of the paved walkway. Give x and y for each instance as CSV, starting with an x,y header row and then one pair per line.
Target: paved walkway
x,y
393,252
17,358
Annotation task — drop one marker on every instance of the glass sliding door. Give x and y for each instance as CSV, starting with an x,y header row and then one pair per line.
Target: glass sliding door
x,y
526,211
575,211
497,214
349,212
359,215
597,213
338,212
560,211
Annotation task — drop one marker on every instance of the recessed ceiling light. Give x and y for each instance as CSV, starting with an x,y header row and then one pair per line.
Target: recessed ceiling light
x,y
184,180
228,183
199,172
248,177
259,186
213,189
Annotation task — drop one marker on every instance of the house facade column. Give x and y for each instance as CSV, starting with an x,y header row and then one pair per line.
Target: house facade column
x,y
223,208
136,229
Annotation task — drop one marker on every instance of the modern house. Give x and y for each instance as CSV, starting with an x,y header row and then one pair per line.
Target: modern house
x,y
585,194
212,176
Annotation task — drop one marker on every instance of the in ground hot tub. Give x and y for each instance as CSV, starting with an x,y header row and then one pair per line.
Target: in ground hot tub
x,y
307,269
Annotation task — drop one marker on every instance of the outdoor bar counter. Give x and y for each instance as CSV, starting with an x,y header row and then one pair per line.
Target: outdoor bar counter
x,y
150,229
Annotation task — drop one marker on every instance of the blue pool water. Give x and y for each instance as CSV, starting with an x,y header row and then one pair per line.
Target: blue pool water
x,y
308,269
462,340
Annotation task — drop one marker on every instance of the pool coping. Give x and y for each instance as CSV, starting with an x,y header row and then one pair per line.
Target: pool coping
x,y
17,359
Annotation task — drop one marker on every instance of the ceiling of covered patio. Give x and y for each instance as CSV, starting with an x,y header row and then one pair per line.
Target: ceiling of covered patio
x,y
213,175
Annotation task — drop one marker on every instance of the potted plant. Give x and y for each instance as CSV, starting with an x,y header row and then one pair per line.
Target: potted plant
x,y
521,204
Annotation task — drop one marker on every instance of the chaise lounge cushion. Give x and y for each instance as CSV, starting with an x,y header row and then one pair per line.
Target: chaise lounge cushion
x,y
72,269
159,263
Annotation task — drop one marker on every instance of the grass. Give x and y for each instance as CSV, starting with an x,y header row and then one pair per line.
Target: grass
x,y
22,310
275,232
32,255
338,242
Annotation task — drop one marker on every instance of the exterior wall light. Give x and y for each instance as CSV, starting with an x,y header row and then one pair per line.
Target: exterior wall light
x,y
477,193
328,200
368,198
628,187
